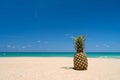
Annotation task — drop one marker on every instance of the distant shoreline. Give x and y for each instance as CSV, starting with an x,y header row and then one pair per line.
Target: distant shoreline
x,y
60,54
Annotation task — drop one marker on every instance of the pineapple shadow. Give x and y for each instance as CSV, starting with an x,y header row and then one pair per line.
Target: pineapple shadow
x,y
71,68
67,68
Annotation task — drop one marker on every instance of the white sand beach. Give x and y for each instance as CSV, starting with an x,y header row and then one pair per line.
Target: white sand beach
x,y
57,68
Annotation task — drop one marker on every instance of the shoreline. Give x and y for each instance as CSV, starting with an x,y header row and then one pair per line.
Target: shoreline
x,y
115,55
63,57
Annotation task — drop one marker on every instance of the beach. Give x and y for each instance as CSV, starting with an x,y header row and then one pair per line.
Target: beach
x,y
57,68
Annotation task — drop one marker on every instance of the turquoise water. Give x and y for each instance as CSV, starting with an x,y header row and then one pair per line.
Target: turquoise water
x,y
60,54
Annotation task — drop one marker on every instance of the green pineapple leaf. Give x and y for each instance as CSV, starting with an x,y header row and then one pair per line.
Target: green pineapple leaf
x,y
79,43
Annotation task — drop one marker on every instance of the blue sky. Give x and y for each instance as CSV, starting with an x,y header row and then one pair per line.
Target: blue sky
x,y
47,25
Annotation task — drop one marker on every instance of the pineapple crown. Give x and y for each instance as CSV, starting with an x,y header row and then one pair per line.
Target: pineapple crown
x,y
79,43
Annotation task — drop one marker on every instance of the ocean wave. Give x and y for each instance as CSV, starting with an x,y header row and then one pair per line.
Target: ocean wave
x,y
117,57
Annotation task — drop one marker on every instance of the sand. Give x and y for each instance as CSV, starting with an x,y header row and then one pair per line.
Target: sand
x,y
56,68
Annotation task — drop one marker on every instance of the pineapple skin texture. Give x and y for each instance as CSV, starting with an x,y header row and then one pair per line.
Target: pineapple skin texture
x,y
80,61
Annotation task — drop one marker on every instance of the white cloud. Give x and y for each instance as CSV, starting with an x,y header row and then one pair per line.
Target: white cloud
x,y
38,41
23,47
97,46
72,37
13,47
67,34
8,46
29,45
46,42
106,45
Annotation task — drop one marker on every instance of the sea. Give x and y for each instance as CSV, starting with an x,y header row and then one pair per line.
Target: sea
x,y
60,54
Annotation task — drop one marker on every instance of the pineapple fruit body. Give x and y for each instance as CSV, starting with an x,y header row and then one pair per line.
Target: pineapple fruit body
x,y
80,61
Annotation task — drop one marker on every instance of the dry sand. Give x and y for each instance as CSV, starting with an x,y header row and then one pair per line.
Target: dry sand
x,y
56,68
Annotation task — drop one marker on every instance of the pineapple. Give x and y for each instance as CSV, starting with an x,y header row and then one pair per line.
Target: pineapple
x,y
80,58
